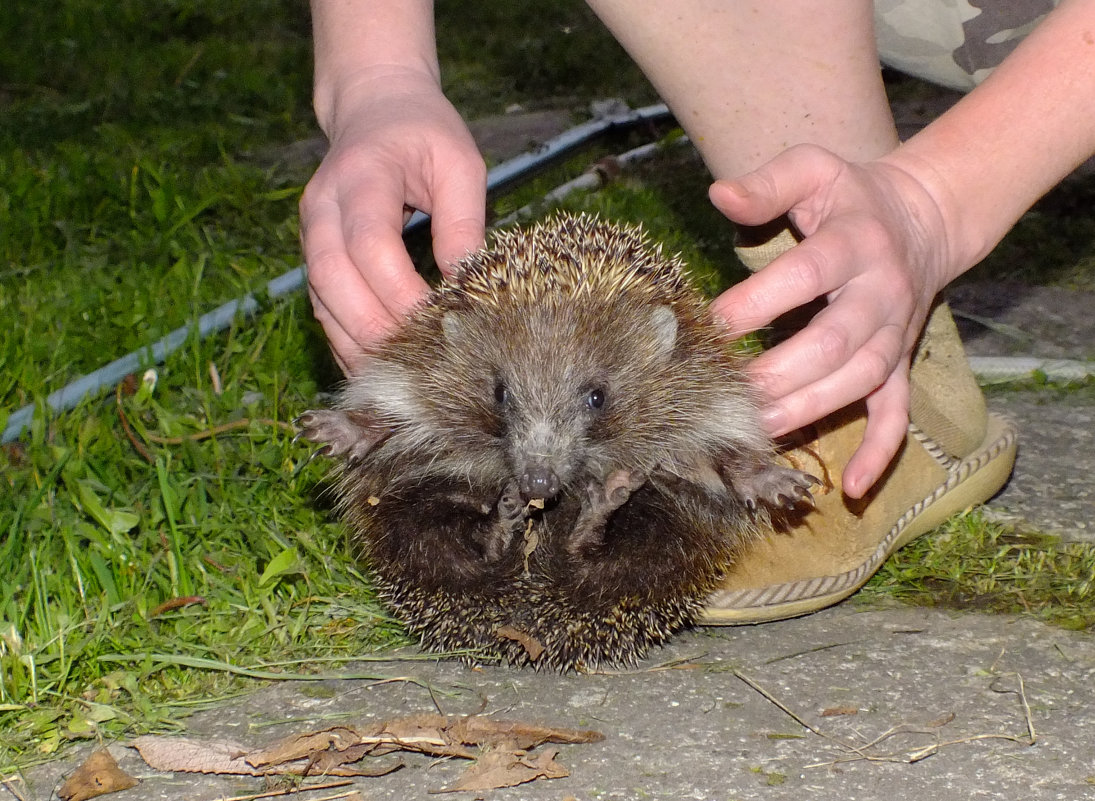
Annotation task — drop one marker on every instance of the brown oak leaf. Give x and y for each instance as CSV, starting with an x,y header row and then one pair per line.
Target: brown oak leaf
x,y
502,768
98,775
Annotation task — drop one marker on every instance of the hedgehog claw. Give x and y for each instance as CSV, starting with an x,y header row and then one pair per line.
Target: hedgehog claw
x,y
601,501
511,508
324,451
349,433
775,486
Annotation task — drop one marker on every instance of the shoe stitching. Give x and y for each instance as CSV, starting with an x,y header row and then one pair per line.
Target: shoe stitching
x,y
934,449
804,589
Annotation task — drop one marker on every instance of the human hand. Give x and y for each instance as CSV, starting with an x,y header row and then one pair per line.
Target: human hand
x,y
396,143
876,247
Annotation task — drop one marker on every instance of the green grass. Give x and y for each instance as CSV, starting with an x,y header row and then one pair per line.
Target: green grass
x,y
99,538
973,563
143,181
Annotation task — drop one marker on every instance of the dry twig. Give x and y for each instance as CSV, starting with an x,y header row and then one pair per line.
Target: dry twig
x,y
857,752
197,436
296,791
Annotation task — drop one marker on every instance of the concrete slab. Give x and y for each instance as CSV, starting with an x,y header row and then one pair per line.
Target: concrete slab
x,y
697,730
1051,490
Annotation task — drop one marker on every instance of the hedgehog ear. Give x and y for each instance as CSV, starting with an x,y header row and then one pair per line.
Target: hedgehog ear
x,y
664,325
452,327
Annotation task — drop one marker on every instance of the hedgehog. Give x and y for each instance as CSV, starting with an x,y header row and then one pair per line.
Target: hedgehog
x,y
556,456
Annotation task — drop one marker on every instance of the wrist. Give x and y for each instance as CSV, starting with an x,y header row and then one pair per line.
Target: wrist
x,y
948,223
360,45
336,96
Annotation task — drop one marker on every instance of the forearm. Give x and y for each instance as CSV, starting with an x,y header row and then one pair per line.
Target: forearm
x,y
1003,146
750,79
357,40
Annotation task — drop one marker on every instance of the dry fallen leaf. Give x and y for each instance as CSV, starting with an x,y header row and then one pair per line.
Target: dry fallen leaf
x,y
337,751
420,733
532,539
531,645
305,746
98,775
836,711
502,768
441,735
184,755
332,763
487,731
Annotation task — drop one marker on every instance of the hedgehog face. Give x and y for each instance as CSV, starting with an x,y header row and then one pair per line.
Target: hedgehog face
x,y
539,407
550,386
551,429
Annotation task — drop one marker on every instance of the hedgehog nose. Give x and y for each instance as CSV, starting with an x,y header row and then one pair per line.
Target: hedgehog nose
x,y
538,482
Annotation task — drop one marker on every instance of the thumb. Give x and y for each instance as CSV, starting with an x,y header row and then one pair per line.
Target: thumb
x,y
776,187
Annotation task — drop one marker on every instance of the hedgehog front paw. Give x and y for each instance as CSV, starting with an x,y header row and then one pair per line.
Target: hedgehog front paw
x,y
495,539
511,509
775,486
617,488
601,500
353,433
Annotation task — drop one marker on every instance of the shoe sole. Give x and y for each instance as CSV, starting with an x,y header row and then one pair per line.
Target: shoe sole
x,y
969,482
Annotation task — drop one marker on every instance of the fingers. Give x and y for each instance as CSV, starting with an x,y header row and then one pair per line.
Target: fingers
x,y
342,300
338,339
851,349
867,319
398,145
870,372
887,424
372,229
841,252
808,271
800,399
873,253
459,215
354,306
798,183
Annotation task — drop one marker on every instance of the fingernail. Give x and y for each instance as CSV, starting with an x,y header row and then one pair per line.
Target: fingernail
x,y
856,486
772,420
737,188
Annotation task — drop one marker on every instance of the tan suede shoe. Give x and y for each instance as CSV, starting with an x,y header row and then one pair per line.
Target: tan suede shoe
x,y
955,455
840,544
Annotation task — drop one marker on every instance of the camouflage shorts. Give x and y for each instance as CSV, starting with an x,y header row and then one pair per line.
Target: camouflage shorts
x,y
954,43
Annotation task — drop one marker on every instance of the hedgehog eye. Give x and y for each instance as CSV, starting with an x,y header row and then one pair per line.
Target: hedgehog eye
x,y
501,394
596,399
